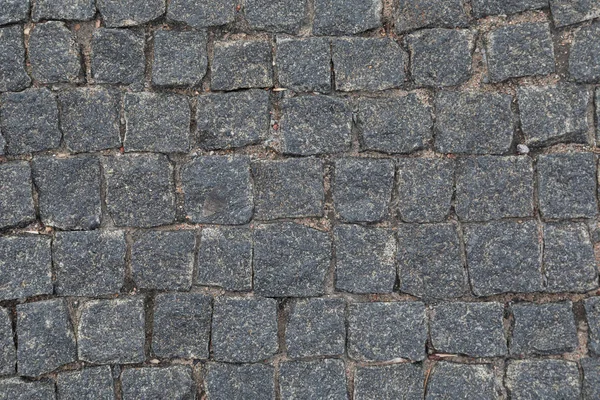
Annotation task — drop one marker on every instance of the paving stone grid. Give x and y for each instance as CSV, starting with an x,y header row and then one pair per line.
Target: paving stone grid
x,y
299,199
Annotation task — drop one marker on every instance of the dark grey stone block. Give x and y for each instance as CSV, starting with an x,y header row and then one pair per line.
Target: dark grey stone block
x,y
241,64
306,380
569,12
163,260
543,379
112,331
303,65
140,190
53,53
504,257
8,352
89,263
386,331
45,337
225,258
217,189
515,51
567,185
240,382
476,123
180,58
81,10
316,327
469,382
25,266
117,56
489,187
18,389
398,125
584,59
13,76
441,57
413,14
14,11
290,260
89,119
154,383
425,188
483,8
591,378
118,13
200,13
68,191
156,122
429,261
312,125
276,15
597,106
364,259
368,64
343,17
592,312
244,329
16,196
288,188
29,121
86,384
230,120
389,382
181,325
471,329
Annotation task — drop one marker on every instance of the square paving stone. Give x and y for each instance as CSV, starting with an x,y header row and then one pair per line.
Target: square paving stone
x,y
181,325
504,257
8,352
389,382
180,58
425,188
88,383
155,383
304,65
362,189
290,260
29,121
584,59
14,11
244,329
312,125
81,10
398,125
240,382
156,122
469,382
592,312
241,64
225,258
288,188
117,56
476,123
471,329
276,15
569,12
18,389
543,379
112,331
118,13
89,263
316,327
200,13
364,259
53,53
441,57
89,119
13,76
489,187
591,378
25,266
385,331
543,328
307,380
230,120
482,8
45,337
140,190
16,196
368,64
163,260
567,185
217,189
343,17
413,14
519,50
429,261
68,191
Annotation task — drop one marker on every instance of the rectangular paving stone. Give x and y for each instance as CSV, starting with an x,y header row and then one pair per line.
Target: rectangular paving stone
x,y
584,59
241,64
285,16
181,325
380,331
16,196
304,64
8,352
483,8
53,53
149,383
389,382
112,331
120,13
464,381
569,12
543,379
45,335
19,389
81,10
489,187
306,380
13,76
180,58
87,383
343,17
592,316
413,14
290,260
240,381
202,14
117,56
244,329
591,378
14,11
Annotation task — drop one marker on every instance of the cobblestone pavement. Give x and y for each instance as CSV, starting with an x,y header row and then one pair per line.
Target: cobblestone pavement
x,y
299,199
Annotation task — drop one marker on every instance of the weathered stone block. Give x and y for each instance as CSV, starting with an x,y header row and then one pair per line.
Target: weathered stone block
x,y
413,14
389,382
18,389
8,352
117,56
13,76
591,378
463,381
14,11
200,13
53,53
276,15
241,64
119,13
180,58
16,196
569,12
154,383
305,380
584,55
543,379
303,65
240,382
87,383
343,17
81,10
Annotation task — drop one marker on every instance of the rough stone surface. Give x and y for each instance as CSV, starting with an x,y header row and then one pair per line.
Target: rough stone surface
x,y
82,10
119,13
12,60
241,64
8,352
13,11
591,378
413,14
584,63
305,380
180,58
285,16
117,56
343,17
543,379
154,383
240,382
389,382
482,8
569,12
469,382
53,54
592,313
16,196
303,65
88,383
18,389
202,14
